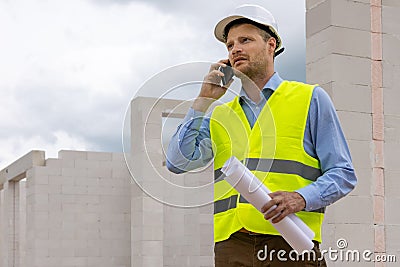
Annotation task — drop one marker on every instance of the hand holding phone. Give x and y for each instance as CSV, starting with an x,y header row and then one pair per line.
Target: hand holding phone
x,y
211,90
228,73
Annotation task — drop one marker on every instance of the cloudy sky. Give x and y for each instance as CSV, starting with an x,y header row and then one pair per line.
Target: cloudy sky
x,y
70,67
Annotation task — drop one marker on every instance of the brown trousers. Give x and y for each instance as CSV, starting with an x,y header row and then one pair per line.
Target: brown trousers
x,y
249,250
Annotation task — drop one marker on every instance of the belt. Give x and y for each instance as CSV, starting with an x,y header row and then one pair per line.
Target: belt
x,y
243,230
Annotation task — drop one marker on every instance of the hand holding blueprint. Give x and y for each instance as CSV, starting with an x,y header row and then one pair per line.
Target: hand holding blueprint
x,y
292,228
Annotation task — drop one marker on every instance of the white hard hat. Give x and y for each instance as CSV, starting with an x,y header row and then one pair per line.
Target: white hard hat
x,y
254,13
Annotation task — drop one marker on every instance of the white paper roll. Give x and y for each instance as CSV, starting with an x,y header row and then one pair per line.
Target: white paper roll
x,y
299,222
303,227
292,228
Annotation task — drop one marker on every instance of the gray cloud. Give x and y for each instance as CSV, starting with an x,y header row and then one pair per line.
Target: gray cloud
x,y
69,69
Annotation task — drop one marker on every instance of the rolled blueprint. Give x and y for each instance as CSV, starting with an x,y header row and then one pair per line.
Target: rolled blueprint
x,y
299,222
292,228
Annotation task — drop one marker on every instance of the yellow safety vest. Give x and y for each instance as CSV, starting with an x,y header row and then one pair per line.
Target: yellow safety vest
x,y
273,150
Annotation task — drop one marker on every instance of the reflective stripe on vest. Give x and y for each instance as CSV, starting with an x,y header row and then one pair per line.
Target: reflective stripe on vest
x,y
273,150
277,166
230,203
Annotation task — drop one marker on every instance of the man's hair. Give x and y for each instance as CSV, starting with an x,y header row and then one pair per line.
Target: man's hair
x,y
265,32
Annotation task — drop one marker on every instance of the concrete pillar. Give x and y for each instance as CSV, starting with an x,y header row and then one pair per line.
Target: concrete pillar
x,y
167,228
147,232
20,223
7,237
352,53
390,67
339,59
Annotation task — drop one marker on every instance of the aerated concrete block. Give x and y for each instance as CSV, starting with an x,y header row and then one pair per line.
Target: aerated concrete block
x,y
100,172
390,76
361,70
361,153
73,172
100,156
336,13
149,233
393,239
351,14
392,185
74,190
391,157
61,180
390,18
153,248
206,261
344,210
392,129
318,17
329,41
86,164
392,216
356,126
74,261
362,241
364,180
391,44
45,261
70,154
344,94
391,95
330,68
312,3
320,71
152,219
149,261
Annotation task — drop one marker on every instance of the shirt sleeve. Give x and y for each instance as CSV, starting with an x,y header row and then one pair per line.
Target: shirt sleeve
x,y
330,147
190,147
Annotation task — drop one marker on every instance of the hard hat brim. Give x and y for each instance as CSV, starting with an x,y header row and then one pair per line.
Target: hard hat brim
x,y
219,29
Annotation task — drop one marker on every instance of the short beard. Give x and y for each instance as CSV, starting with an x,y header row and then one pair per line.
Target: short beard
x,y
254,71
258,68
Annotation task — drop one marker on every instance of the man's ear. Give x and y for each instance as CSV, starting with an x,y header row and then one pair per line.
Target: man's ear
x,y
271,43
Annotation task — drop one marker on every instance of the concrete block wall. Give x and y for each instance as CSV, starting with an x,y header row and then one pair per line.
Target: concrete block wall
x,y
391,68
69,211
7,225
85,208
88,209
338,58
168,227
352,53
13,241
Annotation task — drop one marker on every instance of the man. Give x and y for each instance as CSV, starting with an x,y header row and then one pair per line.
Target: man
x,y
287,133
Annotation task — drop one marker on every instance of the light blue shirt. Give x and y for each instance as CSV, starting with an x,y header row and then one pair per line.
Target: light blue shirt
x,y
190,147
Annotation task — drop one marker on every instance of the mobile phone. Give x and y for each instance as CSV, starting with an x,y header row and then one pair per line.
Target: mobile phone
x,y
228,73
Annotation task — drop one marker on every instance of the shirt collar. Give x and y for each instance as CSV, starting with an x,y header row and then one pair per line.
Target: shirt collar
x,y
273,83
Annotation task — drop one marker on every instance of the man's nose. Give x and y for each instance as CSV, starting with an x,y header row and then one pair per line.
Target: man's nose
x,y
236,49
